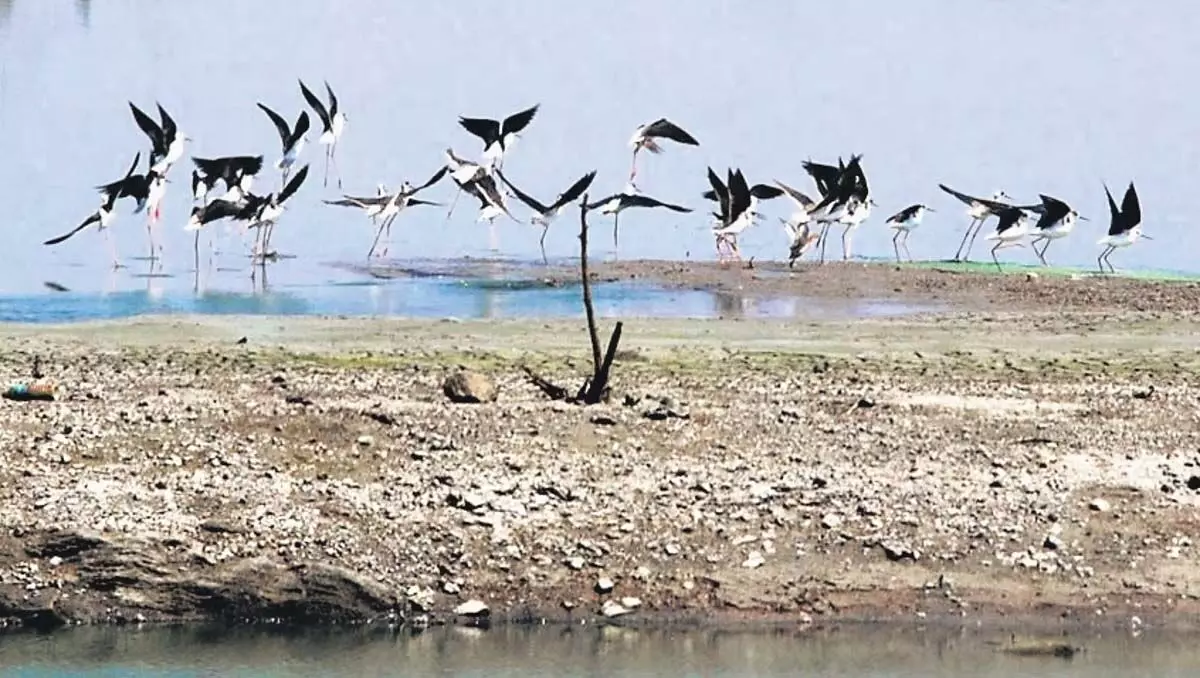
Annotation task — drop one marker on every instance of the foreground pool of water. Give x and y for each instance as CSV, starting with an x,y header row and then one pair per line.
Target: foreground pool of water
x,y
417,289
610,651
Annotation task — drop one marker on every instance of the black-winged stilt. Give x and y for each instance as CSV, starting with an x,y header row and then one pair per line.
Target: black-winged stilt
x,y
333,121
905,222
800,239
1125,228
737,203
979,209
237,172
1056,221
383,208
491,201
463,172
1011,226
265,210
845,199
856,212
214,210
545,214
619,202
291,139
166,141
644,137
498,136
104,215
803,204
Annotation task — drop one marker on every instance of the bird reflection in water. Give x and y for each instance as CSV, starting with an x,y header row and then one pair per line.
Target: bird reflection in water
x,y
732,304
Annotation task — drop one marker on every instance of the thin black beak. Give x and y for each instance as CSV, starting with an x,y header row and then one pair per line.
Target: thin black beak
x,y
1083,218
1147,237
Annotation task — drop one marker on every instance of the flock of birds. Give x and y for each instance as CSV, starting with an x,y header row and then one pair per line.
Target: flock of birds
x,y
842,196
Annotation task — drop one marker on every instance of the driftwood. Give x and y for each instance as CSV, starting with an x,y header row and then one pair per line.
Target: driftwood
x,y
595,388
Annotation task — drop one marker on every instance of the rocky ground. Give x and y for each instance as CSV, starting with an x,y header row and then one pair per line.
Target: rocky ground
x,y
980,467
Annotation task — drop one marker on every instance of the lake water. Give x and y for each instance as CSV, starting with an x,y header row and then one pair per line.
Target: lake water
x,y
1027,96
562,653
414,289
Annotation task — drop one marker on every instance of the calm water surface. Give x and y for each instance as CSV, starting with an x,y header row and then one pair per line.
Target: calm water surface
x,y
611,651
1029,96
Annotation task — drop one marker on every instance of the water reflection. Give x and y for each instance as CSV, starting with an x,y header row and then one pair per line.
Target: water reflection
x,y
608,650
413,290
83,11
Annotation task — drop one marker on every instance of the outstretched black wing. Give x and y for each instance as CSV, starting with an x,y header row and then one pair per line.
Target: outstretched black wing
x,y
316,105
523,196
516,122
150,128
293,185
484,128
281,126
86,222
574,191
1131,208
668,130
647,201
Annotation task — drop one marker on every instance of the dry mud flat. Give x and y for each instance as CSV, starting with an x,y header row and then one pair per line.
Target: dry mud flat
x,y
988,468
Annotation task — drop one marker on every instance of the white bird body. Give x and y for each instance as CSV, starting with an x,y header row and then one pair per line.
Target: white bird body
x,y
289,158
174,153
106,217
336,125
911,223
1011,236
1122,239
489,213
856,213
154,196
1061,228
270,213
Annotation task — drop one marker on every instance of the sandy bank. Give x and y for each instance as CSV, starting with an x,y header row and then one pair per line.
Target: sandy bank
x,y
962,467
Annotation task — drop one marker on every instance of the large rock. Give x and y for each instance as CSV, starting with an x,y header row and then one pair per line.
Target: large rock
x,y
130,579
466,386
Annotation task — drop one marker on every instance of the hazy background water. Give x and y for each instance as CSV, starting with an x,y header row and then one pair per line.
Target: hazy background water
x,y
1024,95
560,653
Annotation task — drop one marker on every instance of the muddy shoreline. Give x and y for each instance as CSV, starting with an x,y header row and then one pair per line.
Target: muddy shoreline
x,y
1005,469
931,286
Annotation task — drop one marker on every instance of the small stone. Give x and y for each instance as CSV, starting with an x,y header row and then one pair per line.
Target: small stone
x,y
672,549
472,608
366,441
576,563
55,561
450,588
1053,542
466,386
1100,505
604,585
753,560
631,602
642,573
611,609
831,521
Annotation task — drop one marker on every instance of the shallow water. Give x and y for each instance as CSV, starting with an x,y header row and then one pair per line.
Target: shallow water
x,y
417,289
610,651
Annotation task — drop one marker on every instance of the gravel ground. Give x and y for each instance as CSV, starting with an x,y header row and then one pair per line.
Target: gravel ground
x,y
974,466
